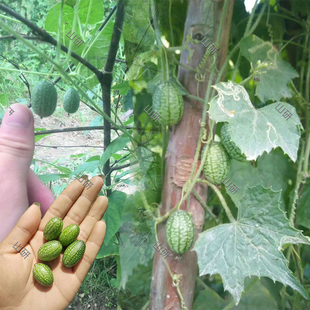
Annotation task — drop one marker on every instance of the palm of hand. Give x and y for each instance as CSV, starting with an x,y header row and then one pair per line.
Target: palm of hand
x,y
19,290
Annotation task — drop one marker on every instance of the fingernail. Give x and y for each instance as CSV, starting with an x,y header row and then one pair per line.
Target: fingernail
x,y
102,176
37,204
18,116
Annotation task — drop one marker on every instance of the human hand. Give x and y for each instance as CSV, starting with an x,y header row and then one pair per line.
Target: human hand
x,y
75,205
20,187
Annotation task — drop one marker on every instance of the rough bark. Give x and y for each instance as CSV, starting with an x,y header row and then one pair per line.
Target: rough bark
x,y
203,16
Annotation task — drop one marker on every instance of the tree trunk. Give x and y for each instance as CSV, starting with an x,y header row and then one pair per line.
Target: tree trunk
x,y
202,16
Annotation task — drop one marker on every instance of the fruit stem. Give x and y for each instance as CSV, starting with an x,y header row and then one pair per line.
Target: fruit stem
x,y
222,199
205,206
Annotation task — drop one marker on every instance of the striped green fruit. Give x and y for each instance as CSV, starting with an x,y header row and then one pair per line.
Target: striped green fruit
x,y
232,149
180,231
217,164
74,253
44,99
168,103
53,228
69,234
43,274
50,250
71,100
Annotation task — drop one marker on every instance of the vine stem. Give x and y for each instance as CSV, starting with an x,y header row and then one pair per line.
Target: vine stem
x,y
222,199
145,307
29,72
299,180
250,77
246,33
205,206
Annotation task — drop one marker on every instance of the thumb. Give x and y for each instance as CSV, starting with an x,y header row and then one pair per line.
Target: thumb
x,y
17,139
16,151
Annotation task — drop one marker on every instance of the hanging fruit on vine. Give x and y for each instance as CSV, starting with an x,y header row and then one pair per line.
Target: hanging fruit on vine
x,y
44,99
71,101
180,231
232,149
217,164
168,103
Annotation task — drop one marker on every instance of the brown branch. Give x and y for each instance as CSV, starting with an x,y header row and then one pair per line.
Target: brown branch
x,y
45,132
107,19
121,167
23,35
57,146
67,70
127,165
105,80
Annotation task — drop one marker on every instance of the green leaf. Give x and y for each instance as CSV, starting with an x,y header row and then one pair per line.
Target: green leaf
x,y
97,54
252,245
45,178
274,81
137,68
4,99
255,49
137,236
52,17
87,167
215,302
119,177
95,13
133,255
113,214
303,211
60,168
37,138
274,169
255,131
128,104
93,158
123,88
256,298
91,11
275,76
109,249
140,282
116,145
137,28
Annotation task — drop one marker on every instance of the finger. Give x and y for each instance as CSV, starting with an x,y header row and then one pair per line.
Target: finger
x,y
81,207
63,203
95,214
16,151
93,246
17,139
38,191
25,228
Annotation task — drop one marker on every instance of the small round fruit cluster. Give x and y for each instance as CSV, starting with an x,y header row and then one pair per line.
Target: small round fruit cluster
x,y
52,249
44,99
